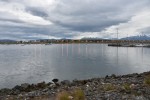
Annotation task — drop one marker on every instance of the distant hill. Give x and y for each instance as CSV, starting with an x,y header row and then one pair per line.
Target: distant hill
x,y
7,40
144,37
140,37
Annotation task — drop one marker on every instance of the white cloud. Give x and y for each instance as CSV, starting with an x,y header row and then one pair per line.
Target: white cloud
x,y
41,36
138,22
17,11
73,18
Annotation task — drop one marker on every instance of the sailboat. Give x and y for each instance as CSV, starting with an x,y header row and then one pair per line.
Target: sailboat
x,y
49,43
117,44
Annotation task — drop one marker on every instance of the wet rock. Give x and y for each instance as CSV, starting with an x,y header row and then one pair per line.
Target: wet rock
x,y
94,89
55,80
66,82
31,88
75,82
25,85
106,76
113,76
45,90
15,92
49,83
52,86
5,91
17,88
41,85
83,82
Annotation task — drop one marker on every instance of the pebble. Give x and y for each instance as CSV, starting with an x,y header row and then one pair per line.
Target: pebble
x,y
108,88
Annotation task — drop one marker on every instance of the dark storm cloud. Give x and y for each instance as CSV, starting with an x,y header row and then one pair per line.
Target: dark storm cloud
x,y
85,16
5,0
9,20
70,18
91,26
145,31
25,32
37,12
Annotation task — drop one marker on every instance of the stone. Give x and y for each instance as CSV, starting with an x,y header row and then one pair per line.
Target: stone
x,y
66,82
92,88
70,97
132,86
113,76
55,80
41,85
25,85
5,91
49,83
106,76
17,87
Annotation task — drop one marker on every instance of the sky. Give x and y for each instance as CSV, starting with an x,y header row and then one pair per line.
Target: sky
x,y
73,19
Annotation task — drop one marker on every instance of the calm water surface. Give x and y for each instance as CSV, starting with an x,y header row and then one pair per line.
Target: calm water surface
x,y
36,63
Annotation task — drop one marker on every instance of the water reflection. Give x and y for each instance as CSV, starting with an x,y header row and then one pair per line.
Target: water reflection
x,y
62,49
86,49
142,55
72,48
79,48
36,63
117,54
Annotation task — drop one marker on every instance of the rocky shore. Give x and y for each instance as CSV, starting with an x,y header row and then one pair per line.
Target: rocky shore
x,y
124,87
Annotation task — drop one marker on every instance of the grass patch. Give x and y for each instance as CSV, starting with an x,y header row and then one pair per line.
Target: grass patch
x,y
109,87
63,96
76,94
127,87
147,80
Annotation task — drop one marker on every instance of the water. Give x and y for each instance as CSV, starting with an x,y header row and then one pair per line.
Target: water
x,y
37,63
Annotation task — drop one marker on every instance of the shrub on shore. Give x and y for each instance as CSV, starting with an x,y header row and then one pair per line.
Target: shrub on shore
x,y
63,96
109,87
126,86
79,94
147,80
76,94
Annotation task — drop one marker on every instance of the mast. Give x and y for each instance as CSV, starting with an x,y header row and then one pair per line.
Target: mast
x,y
117,37
142,37
117,33
127,38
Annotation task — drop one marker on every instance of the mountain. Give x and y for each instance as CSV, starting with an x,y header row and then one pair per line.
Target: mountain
x,y
144,37
7,40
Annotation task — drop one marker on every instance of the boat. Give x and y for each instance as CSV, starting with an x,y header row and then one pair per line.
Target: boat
x,y
48,44
139,45
22,44
115,44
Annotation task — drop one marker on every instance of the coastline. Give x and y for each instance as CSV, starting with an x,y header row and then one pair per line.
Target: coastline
x,y
131,86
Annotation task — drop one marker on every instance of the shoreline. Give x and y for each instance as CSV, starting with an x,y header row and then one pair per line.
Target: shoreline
x,y
131,86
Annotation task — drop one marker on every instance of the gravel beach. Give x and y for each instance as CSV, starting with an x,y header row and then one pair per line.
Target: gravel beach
x,y
124,87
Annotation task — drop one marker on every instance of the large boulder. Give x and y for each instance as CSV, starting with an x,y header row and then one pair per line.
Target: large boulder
x,y
5,91
55,80
25,85
66,82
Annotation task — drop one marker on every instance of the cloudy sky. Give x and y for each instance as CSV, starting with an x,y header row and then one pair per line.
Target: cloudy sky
x,y
31,19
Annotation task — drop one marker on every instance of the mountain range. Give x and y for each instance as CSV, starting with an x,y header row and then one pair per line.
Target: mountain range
x,y
7,40
140,37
